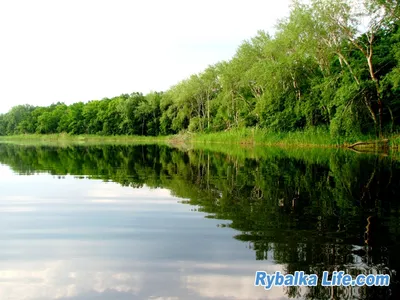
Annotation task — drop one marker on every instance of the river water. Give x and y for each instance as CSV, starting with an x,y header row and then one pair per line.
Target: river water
x,y
153,222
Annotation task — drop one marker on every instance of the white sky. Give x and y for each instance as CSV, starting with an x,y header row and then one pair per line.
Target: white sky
x,y
72,51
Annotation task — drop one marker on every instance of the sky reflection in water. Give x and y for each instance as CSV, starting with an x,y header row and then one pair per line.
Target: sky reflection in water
x,y
87,239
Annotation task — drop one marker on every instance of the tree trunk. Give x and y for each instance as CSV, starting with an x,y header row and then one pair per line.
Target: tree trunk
x,y
371,111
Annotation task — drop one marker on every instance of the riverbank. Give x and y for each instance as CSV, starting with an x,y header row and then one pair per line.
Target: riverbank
x,y
313,138
247,137
62,138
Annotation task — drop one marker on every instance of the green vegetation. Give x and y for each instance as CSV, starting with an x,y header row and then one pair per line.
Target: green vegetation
x,y
318,80
316,136
64,138
313,137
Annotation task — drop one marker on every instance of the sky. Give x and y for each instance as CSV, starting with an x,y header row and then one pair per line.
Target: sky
x,y
72,51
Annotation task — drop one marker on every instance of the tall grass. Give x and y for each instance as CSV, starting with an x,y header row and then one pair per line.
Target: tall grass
x,y
64,138
311,137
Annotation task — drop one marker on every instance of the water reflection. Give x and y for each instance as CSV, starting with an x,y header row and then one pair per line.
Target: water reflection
x,y
90,234
76,279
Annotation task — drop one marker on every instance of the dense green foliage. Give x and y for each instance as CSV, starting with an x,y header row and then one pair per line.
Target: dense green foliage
x,y
308,210
317,70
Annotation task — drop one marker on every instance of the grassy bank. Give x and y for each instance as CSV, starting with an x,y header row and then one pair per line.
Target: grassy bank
x,y
56,139
248,137
252,136
317,137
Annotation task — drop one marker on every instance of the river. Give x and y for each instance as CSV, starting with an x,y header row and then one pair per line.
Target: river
x,y
154,222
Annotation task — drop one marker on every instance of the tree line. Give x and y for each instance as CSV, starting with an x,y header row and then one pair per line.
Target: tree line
x,y
333,64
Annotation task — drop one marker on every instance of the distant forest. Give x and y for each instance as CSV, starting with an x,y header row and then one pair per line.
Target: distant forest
x,y
332,64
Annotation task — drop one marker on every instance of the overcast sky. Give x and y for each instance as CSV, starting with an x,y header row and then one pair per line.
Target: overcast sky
x,y
72,51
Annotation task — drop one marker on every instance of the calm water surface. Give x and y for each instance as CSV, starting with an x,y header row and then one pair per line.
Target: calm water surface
x,y
151,222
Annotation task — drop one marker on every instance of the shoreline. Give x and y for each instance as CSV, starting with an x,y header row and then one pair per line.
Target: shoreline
x,y
244,138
